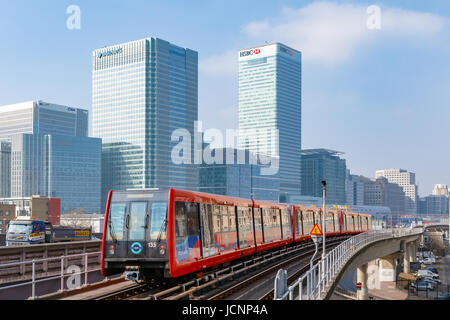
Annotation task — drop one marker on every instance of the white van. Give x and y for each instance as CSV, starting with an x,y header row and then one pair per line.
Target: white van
x,y
427,273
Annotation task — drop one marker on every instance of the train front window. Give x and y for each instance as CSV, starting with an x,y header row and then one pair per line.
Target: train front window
x,y
116,222
158,224
138,212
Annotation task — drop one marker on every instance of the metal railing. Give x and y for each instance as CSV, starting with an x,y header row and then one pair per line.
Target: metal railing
x,y
315,282
63,261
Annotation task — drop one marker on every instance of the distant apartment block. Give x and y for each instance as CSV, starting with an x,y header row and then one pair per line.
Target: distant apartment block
x,y
405,179
441,190
324,165
381,192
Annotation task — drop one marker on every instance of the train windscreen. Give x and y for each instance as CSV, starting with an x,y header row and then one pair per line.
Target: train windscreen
x,y
137,224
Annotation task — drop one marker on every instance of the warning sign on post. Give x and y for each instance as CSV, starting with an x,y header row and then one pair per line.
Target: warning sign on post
x,y
316,231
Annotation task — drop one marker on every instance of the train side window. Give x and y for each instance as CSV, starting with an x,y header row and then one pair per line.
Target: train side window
x,y
180,223
277,223
193,229
231,219
225,219
116,222
286,222
242,227
217,221
186,221
246,227
330,222
207,224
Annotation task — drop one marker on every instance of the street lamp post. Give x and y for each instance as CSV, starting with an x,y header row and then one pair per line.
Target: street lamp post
x,y
324,183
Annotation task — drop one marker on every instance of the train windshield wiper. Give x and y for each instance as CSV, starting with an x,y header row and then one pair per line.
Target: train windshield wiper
x,y
111,232
163,229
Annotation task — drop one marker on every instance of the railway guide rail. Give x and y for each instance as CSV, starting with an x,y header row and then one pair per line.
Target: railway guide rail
x,y
312,284
66,270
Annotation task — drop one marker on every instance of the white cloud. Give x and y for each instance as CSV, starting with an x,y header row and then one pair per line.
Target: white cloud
x,y
331,32
219,65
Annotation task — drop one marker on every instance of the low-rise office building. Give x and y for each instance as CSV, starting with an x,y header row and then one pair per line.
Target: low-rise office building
x,y
7,213
36,207
324,165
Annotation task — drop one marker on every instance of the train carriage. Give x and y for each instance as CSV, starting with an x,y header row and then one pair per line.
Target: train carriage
x,y
275,228
154,234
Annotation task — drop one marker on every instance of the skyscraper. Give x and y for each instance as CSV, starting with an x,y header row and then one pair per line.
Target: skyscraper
x,y
142,91
406,180
270,106
51,154
39,118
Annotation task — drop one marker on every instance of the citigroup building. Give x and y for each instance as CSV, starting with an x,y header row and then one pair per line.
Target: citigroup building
x,y
142,91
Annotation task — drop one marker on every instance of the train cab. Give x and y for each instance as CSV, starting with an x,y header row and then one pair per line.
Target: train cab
x,y
135,233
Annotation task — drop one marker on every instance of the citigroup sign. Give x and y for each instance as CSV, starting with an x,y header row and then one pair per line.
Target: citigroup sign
x,y
250,52
109,53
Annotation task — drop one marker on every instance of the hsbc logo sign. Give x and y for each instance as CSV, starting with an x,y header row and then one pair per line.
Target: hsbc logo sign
x,y
285,50
250,52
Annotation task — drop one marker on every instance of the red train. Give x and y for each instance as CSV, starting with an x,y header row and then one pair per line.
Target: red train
x,y
151,234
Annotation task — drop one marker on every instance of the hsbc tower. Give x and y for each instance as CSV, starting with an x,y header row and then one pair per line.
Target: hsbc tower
x,y
270,107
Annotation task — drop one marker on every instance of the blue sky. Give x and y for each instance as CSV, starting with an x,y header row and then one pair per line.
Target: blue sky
x,y
380,96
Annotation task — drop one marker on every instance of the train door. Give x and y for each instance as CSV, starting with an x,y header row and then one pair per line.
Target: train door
x,y
298,222
136,223
207,225
258,226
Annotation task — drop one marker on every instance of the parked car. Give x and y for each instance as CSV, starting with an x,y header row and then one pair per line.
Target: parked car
x,y
431,281
427,273
427,261
434,280
423,285
445,296
432,269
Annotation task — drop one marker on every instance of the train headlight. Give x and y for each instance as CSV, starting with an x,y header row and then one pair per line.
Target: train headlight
x,y
112,249
162,249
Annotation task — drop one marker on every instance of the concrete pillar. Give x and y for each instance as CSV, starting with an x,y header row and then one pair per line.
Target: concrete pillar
x,y
388,265
406,258
406,252
362,294
413,252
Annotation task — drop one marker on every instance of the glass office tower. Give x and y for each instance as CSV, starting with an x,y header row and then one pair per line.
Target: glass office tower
x,y
5,169
142,91
51,154
270,107
39,117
